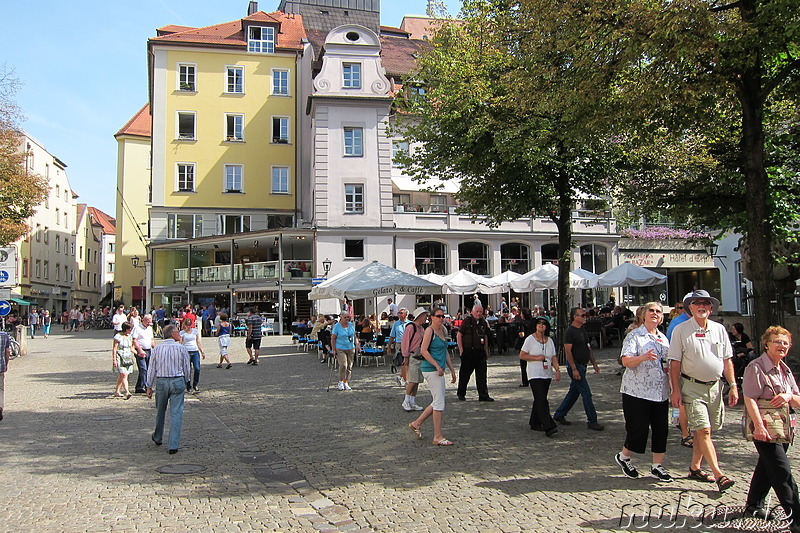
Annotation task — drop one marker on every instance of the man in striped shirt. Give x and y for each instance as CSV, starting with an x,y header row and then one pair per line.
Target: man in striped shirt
x,y
168,373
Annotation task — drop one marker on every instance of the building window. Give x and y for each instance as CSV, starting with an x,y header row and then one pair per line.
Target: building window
x,y
38,233
399,149
438,203
111,247
66,272
66,221
186,123
37,268
46,235
94,277
72,276
58,217
234,127
594,258
280,180
111,268
280,130
351,75
401,202
46,273
354,142
24,268
353,198
515,257
474,256
58,272
184,226
354,249
185,177
234,80
261,39
233,224
80,253
58,243
233,178
280,82
430,257
186,77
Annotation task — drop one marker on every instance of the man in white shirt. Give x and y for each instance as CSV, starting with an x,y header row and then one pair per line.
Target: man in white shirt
x,y
700,353
393,308
143,342
118,319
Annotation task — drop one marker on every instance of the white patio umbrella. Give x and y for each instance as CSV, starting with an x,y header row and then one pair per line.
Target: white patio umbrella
x,y
433,278
629,275
588,278
466,282
371,281
544,277
505,279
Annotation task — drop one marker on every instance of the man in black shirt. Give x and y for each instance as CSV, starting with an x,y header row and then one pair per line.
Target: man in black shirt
x,y
473,345
579,354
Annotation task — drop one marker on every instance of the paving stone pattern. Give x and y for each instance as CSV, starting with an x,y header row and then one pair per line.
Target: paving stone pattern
x,y
279,453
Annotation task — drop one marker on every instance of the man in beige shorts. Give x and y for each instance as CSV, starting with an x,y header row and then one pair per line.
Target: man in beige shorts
x,y
700,353
412,340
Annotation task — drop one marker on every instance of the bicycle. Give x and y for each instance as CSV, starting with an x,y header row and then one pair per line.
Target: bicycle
x,y
14,349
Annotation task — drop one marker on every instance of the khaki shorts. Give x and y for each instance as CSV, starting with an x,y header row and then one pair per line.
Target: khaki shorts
x,y
704,405
414,373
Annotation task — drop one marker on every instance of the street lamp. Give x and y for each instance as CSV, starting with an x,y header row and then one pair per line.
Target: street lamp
x,y
326,265
135,263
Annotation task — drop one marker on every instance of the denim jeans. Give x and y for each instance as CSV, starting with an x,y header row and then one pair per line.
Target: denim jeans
x,y
578,387
169,390
142,364
194,359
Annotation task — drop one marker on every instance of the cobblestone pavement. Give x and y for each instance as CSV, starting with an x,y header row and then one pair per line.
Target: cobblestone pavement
x,y
279,453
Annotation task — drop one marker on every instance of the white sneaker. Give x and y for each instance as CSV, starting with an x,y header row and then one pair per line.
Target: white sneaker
x,y
407,407
400,381
417,407
347,386
340,386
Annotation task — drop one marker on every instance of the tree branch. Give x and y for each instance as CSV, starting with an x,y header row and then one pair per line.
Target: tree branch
x,y
779,77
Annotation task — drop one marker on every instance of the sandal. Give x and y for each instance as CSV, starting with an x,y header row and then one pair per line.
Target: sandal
x,y
416,431
688,441
443,442
724,483
219,365
699,475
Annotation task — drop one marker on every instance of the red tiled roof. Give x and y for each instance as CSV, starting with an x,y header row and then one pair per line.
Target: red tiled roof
x,y
232,33
172,28
108,223
141,125
398,54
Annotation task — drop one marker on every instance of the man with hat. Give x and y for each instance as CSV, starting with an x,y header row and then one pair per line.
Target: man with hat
x,y
700,353
410,347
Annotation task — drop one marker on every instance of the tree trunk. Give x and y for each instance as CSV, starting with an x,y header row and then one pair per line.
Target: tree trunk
x,y
758,229
564,224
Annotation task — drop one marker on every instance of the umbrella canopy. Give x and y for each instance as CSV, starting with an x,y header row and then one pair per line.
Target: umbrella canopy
x,y
433,278
505,279
373,280
588,278
544,277
465,282
629,275
331,279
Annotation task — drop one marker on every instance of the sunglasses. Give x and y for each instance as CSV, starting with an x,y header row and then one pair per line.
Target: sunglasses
x,y
701,302
679,307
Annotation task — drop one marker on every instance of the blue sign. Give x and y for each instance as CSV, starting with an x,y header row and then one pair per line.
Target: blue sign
x,y
3,276
5,308
317,281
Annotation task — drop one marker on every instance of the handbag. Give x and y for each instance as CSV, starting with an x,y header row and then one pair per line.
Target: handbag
x,y
125,358
777,420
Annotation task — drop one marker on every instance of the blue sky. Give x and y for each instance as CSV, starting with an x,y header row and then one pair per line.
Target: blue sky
x,y
83,65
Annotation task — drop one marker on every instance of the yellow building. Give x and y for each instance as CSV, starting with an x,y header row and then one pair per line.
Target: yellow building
x,y
221,151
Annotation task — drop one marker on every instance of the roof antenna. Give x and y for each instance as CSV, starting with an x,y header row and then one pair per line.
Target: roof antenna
x,y
252,8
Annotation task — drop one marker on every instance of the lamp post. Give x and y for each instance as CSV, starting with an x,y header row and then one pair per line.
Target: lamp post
x,y
135,263
326,266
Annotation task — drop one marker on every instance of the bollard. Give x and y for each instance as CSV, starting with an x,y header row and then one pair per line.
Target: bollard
x,y
22,339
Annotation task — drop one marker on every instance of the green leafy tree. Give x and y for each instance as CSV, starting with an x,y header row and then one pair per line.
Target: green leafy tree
x,y
711,118
20,192
517,110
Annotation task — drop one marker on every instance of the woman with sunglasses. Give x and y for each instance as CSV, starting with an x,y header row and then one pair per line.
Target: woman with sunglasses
x,y
434,350
539,352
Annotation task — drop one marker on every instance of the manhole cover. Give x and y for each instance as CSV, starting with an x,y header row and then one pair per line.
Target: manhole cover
x,y
103,418
181,469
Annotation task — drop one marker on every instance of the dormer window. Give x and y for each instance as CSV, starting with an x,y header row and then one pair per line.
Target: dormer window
x,y
351,75
261,39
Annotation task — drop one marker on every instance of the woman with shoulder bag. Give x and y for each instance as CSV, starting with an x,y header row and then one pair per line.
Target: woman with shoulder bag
x,y
123,359
769,378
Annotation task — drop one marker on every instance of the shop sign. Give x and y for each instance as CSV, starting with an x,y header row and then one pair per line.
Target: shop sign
x,y
668,259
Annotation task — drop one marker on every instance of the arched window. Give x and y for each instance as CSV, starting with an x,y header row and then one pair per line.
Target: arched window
x,y
430,257
549,253
594,258
515,256
474,256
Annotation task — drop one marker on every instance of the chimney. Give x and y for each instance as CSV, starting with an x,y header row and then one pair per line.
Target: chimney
x,y
252,8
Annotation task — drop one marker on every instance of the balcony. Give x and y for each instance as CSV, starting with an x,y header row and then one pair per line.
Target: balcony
x,y
293,269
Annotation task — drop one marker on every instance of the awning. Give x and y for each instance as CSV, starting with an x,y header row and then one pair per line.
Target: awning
x,y
20,301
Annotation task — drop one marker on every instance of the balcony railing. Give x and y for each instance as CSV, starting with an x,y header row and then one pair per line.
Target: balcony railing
x,y
266,270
